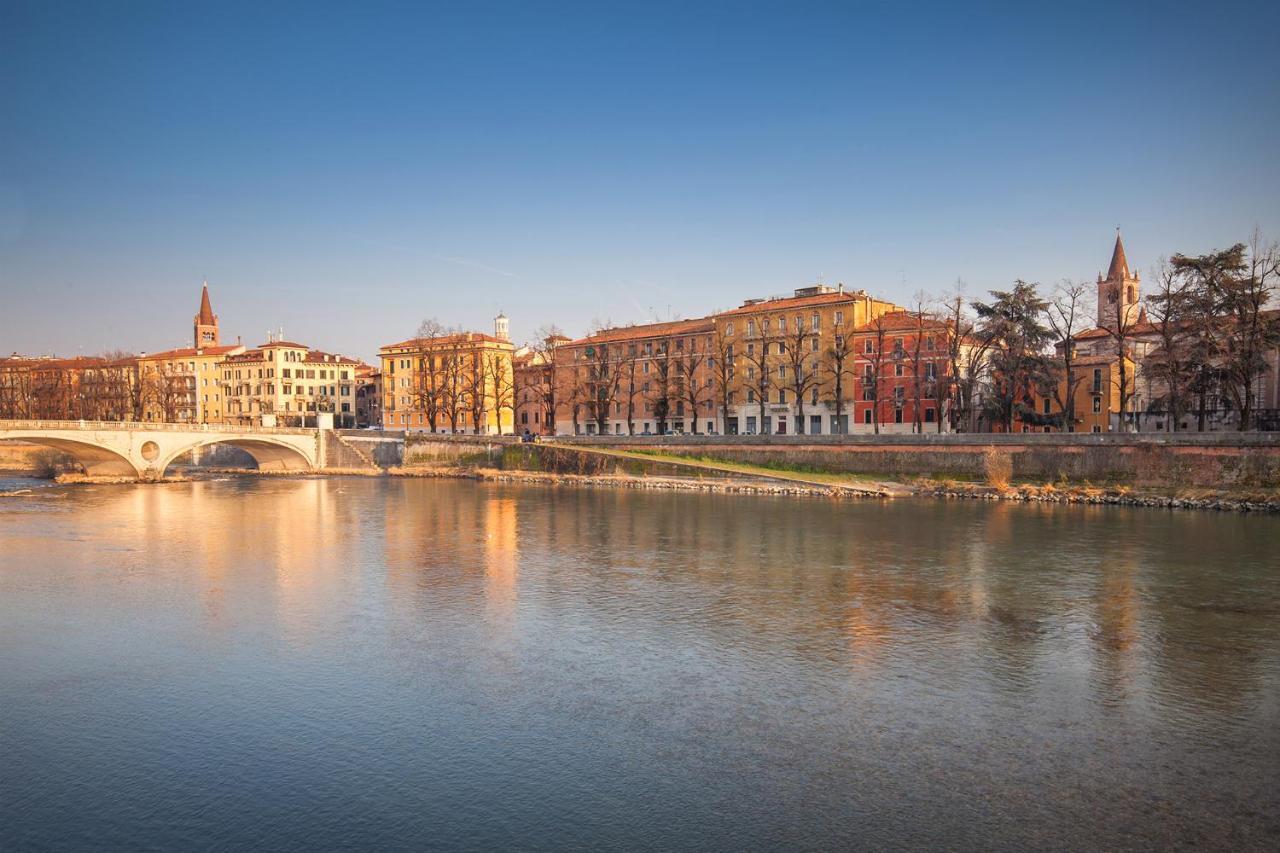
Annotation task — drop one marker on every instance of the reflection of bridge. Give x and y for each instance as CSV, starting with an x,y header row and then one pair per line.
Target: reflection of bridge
x,y
134,449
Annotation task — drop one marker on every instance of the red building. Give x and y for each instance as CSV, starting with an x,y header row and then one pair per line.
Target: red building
x,y
902,365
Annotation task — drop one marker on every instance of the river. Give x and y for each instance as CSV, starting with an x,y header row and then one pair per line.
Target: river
x,y
305,664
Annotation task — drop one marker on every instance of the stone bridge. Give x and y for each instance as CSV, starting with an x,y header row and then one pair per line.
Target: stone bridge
x,y
145,450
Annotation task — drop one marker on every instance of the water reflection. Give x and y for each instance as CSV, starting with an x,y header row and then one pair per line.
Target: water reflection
x,y
540,651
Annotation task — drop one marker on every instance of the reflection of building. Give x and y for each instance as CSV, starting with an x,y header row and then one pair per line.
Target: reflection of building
x,y
287,384
450,382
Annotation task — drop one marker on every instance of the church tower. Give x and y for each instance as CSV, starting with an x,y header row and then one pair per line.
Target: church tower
x,y
206,322
1119,292
501,328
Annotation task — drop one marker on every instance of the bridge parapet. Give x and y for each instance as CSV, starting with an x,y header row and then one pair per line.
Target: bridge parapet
x,y
157,426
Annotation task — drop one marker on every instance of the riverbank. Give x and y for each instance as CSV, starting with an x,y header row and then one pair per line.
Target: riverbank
x,y
744,484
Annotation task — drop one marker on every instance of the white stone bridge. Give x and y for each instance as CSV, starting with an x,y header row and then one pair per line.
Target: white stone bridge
x,y
145,450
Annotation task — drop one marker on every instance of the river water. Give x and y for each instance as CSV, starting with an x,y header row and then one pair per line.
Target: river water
x,y
388,664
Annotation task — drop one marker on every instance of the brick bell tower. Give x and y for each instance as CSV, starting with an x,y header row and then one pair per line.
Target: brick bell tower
x,y
1119,292
206,322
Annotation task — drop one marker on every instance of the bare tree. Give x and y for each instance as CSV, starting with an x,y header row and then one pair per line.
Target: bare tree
x,y
476,388
798,347
1066,313
966,353
722,370
838,368
502,385
689,361
758,362
874,358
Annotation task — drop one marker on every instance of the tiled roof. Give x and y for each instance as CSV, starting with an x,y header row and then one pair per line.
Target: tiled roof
x,y
787,303
188,352
900,321
648,330
445,340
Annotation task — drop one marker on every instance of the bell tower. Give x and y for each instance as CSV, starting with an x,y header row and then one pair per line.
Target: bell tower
x,y
206,322
1119,292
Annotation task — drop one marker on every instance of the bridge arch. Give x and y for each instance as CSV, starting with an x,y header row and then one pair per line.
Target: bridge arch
x,y
271,454
96,459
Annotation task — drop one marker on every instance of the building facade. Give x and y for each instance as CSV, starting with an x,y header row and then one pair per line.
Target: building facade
x,y
454,383
649,379
785,365
282,383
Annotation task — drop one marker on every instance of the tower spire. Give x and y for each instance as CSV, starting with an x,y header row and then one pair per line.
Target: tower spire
x,y
206,322
1119,269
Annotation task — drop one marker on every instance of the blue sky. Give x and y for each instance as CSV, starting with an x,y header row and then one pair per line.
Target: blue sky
x,y
344,172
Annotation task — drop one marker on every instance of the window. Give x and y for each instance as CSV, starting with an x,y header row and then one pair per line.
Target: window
x,y
1097,405
815,321
839,318
866,416
813,396
869,346
728,351
931,371
1097,382
782,395
751,395
814,345
928,415
728,329
897,369
928,344
751,328
1046,405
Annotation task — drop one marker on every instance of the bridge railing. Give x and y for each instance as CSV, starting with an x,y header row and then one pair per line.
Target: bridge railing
x,y
152,426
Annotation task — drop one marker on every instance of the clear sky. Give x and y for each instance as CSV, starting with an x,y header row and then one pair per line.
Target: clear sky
x,y
344,172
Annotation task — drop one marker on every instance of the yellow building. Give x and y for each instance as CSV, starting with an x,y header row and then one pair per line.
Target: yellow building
x,y
782,358
1096,395
287,384
450,382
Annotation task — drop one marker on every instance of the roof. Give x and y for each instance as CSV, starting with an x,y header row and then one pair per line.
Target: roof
x,y
900,321
786,303
648,330
82,362
206,316
190,352
446,340
290,344
1119,269
1099,332
316,356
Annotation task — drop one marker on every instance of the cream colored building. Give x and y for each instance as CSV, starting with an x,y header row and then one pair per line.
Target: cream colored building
x,y
282,383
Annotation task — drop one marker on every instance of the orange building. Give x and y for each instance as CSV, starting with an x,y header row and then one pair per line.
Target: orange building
x,y
635,380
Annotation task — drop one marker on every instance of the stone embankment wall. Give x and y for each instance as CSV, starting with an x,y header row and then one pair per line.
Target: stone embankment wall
x,y
1216,460
453,450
